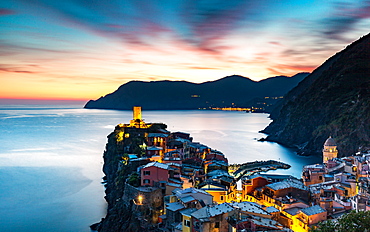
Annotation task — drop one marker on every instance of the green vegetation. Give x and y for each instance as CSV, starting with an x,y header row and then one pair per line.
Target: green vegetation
x,y
134,179
351,222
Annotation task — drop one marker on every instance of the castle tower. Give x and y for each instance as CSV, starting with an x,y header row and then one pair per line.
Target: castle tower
x,y
137,120
137,112
330,150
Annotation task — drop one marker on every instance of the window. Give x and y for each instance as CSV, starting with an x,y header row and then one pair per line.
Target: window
x,y
221,198
320,177
217,224
187,223
146,173
146,181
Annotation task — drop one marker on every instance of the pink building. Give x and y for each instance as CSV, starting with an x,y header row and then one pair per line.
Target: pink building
x,y
159,174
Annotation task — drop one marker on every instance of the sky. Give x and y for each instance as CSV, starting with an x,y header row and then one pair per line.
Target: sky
x,y
84,49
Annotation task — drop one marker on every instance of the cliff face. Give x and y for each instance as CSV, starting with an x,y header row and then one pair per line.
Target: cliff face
x,y
333,100
120,176
169,95
119,216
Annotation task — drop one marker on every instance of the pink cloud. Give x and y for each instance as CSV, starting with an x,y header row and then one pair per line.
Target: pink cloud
x,y
281,69
198,67
4,11
275,43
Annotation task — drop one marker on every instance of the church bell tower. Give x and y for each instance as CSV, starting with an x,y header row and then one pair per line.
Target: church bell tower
x,y
330,150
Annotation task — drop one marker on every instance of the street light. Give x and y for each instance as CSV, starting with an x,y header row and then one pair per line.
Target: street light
x,y
140,199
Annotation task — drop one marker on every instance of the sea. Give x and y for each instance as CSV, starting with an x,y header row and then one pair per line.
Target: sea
x,y
51,158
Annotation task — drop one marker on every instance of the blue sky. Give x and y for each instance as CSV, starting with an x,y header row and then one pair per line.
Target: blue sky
x,y
76,49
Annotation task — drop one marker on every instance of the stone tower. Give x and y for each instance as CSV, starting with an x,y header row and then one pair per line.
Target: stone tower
x,y
137,112
137,121
330,150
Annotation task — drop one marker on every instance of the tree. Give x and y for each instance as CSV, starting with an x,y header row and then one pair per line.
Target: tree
x,y
351,222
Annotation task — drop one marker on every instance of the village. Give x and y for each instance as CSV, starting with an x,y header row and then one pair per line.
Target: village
x,y
181,185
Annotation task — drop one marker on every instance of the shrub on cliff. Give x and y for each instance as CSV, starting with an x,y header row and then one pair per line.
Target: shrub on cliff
x,y
351,222
134,179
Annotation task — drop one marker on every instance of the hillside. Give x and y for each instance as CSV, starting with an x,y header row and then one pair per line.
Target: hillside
x,y
170,95
332,101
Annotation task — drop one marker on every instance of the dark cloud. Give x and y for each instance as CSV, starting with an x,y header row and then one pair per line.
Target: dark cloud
x,y
345,17
4,69
208,23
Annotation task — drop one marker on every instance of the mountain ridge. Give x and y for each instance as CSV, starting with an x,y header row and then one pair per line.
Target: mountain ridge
x,y
234,90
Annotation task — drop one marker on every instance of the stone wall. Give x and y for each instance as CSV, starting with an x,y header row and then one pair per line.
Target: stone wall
x,y
147,201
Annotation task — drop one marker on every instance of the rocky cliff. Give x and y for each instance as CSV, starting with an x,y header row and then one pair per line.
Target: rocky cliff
x,y
332,101
122,214
169,95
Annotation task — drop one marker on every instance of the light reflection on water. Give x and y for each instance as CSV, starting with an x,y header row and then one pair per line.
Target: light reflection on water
x,y
51,158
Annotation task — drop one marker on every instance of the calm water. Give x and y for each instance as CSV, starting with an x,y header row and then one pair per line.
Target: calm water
x,y
51,158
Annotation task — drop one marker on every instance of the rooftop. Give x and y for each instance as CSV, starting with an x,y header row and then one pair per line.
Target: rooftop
x,y
265,222
175,206
293,211
188,212
289,183
158,165
249,207
316,209
271,209
330,142
151,135
187,199
211,211
190,190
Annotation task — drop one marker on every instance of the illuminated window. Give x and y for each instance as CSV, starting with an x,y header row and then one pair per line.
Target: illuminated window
x,y
127,135
146,181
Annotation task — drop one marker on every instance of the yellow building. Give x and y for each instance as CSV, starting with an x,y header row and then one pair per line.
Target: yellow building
x,y
186,219
218,191
221,193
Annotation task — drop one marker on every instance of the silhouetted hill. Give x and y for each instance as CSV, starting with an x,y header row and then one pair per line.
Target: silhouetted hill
x,y
170,95
332,101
